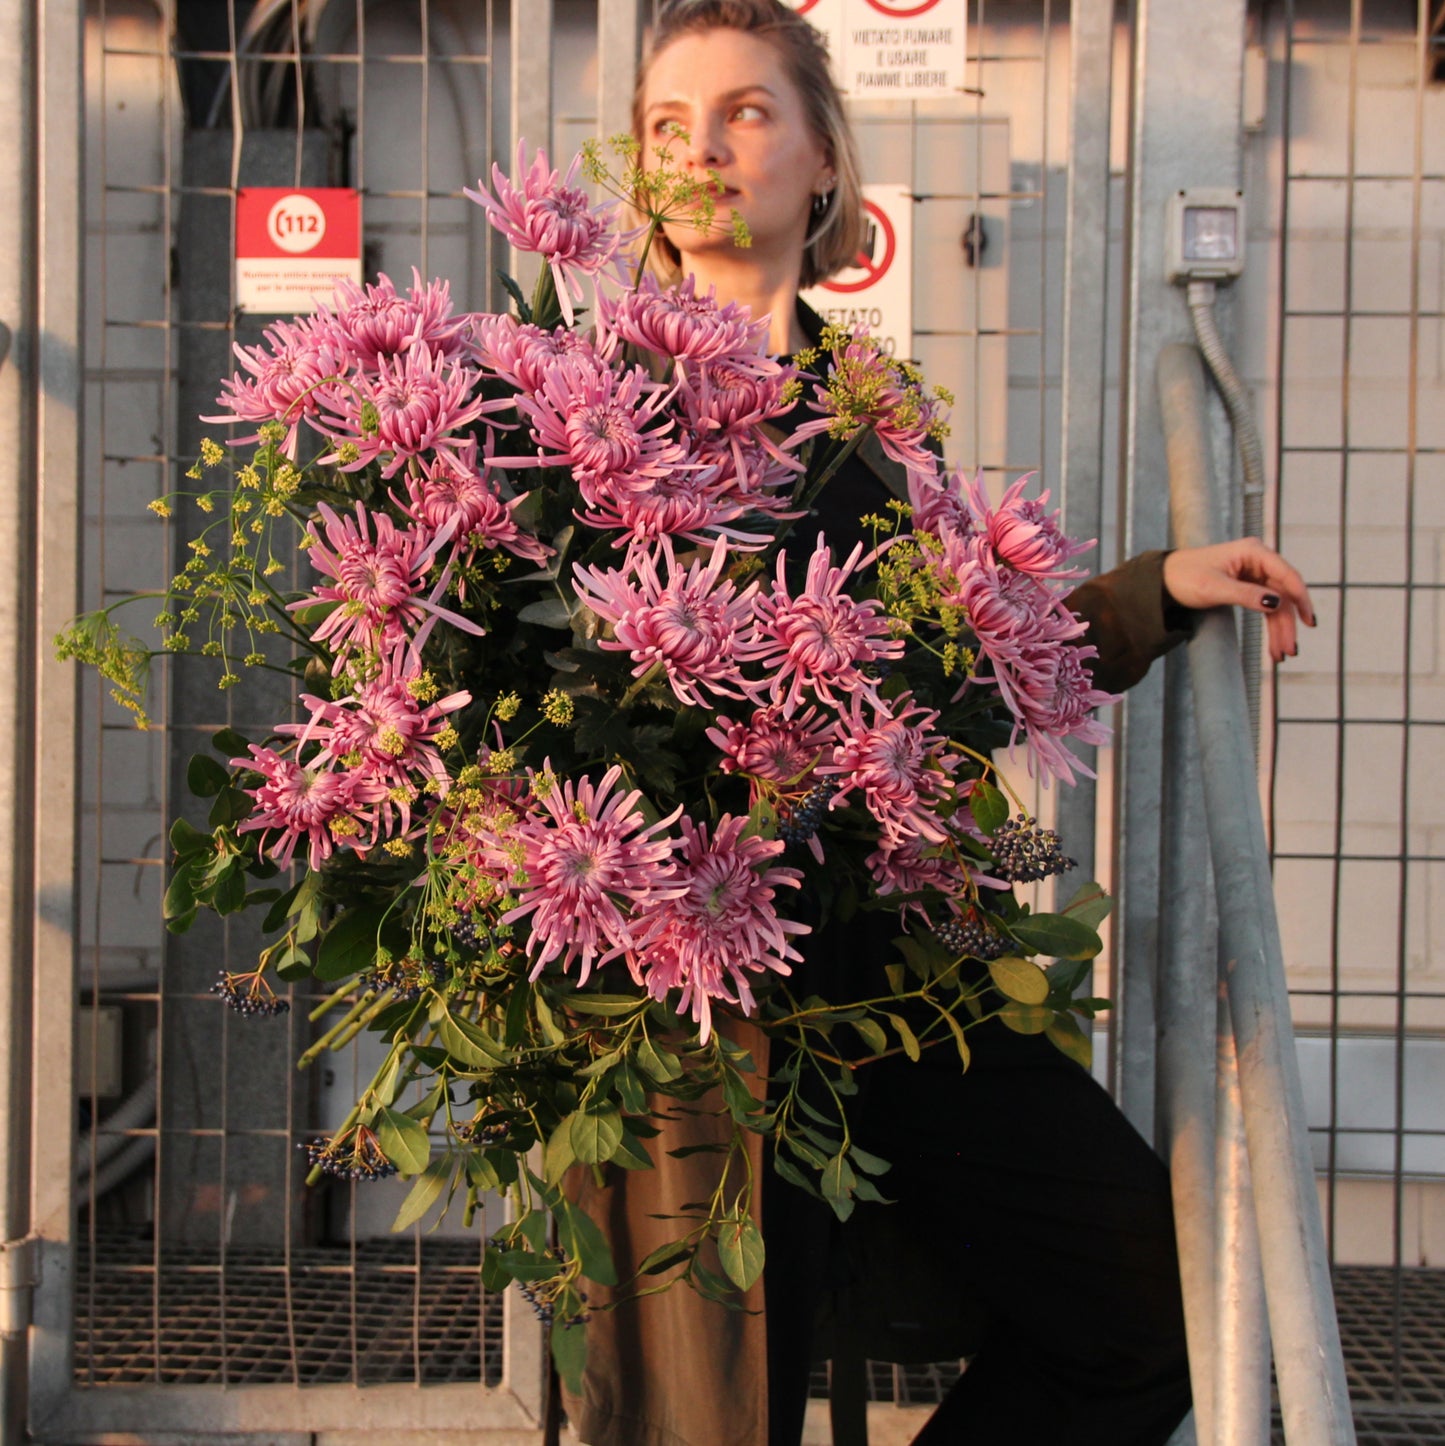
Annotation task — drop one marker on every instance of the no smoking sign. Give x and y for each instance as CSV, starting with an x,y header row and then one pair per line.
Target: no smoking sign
x,y
893,50
293,246
876,293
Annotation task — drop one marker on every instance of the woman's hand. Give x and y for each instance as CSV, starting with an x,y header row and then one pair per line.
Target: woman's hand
x,y
1243,573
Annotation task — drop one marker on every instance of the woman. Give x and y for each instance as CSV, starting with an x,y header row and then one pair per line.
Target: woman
x,y
1032,1226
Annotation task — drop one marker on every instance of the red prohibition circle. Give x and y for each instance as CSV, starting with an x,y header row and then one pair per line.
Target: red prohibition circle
x,y
874,271
883,8
803,6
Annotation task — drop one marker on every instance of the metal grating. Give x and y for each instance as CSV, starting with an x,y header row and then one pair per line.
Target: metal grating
x,y
355,1319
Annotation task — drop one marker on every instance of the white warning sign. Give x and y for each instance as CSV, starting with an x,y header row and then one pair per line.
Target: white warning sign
x,y
893,49
876,294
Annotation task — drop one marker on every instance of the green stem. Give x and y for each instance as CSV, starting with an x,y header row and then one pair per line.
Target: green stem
x,y
630,696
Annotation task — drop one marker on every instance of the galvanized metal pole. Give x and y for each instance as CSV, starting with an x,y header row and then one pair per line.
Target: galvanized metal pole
x,y
1185,1106
619,46
531,112
1188,77
1086,257
1308,1361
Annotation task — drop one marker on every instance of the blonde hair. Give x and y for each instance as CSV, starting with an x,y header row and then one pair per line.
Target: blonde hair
x,y
835,237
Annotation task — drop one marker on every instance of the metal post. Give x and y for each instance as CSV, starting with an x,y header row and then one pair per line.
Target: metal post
x,y
1184,131
1185,1107
1086,253
1308,1360
619,45
531,113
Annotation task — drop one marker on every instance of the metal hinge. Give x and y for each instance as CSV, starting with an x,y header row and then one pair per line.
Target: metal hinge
x,y
19,1275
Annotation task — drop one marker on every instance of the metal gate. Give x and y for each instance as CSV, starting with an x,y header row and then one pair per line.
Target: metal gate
x,y
187,1285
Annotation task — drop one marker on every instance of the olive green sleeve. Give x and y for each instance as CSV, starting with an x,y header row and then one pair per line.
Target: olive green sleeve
x,y
1131,620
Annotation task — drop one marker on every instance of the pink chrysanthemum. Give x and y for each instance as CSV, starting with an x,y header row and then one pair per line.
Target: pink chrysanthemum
x,y
915,866
452,494
611,430
689,504
722,925
378,573
383,733
330,810
544,212
372,322
939,505
588,862
1050,691
694,622
288,372
734,397
822,640
898,763
524,354
865,388
1024,533
676,322
771,747
413,404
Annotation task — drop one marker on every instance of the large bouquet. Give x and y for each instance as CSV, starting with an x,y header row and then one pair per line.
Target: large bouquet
x,y
581,740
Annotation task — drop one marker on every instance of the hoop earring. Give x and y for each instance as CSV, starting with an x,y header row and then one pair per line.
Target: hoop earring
x,y
821,202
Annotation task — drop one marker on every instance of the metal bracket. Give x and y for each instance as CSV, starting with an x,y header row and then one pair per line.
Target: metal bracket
x,y
19,1275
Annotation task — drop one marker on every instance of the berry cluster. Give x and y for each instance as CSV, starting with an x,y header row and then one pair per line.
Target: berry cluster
x,y
1023,852
971,938
354,1154
472,936
406,977
800,823
249,995
481,1131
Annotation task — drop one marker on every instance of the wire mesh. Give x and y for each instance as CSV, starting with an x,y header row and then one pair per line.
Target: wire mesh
x,y
201,1257
1357,181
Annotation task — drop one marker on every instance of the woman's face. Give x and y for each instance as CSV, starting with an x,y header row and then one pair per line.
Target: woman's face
x,y
744,119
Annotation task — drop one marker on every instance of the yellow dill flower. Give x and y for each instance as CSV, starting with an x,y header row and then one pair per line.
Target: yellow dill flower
x,y
212,452
248,476
558,708
543,784
398,848
160,507
344,826
504,760
347,453
424,688
447,737
228,680
272,568
272,432
507,706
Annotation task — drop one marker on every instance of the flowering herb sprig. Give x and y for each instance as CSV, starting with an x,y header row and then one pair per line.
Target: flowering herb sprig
x,y
585,747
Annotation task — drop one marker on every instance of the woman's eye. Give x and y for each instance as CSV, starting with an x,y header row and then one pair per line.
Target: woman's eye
x,y
748,112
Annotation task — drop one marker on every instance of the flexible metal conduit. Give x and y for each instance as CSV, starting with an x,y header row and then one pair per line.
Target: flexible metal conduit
x,y
1308,1362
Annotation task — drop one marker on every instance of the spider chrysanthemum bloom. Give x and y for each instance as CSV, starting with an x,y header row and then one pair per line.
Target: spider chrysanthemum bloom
x,y
588,861
676,322
372,322
611,430
692,504
452,494
413,403
891,756
1051,693
326,809
939,505
1023,533
692,620
378,574
288,370
542,211
771,747
721,926
822,641
522,354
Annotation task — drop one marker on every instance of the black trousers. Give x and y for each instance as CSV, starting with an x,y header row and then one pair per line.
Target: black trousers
x,y
1025,1197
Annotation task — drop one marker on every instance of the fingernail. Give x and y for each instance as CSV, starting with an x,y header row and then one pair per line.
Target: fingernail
x,y
1270,600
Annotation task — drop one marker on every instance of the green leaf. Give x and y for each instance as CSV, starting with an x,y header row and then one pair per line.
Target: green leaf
x,y
482,1173
964,1054
551,612
569,1348
1064,1031
607,1005
1090,905
871,1033
666,1256
740,1249
577,1230
794,1176
205,777
524,312
630,1090
987,805
350,944
559,1156
467,1041
1056,935
231,806
403,1141
871,1163
292,964
838,1182
546,1022
1019,979
229,742
1025,1018
762,820
896,980
495,1275
630,1154
907,1036
280,911
186,839
425,1193
740,1101
865,1189
180,898
596,1136
228,896
659,1065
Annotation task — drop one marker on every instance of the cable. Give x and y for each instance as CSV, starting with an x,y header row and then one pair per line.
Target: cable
x,y
1251,452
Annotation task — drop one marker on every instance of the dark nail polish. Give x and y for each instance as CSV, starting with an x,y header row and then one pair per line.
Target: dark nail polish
x,y
1270,600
